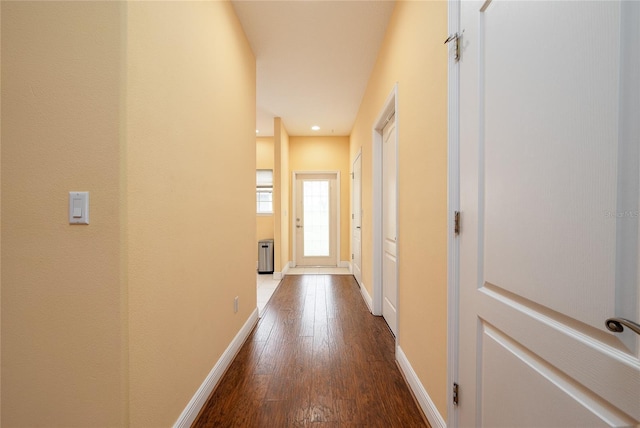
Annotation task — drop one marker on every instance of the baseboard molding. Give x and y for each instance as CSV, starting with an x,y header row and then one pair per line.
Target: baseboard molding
x,y
426,404
367,299
190,412
279,275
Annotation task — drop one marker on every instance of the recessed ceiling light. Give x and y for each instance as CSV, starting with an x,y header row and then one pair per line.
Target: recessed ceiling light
x,y
257,131
315,128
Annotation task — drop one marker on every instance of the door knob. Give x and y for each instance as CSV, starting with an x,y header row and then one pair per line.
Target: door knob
x,y
616,325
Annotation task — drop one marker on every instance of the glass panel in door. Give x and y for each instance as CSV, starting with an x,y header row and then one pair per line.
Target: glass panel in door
x,y
316,218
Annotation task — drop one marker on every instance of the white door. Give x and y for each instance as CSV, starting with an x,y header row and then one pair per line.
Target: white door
x,y
389,227
315,219
356,233
549,189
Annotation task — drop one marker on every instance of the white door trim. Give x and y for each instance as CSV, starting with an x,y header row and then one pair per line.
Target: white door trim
x,y
294,176
390,106
453,205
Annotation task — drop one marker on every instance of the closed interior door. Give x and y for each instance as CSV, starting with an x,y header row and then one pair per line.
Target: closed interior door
x,y
357,220
389,226
549,190
315,220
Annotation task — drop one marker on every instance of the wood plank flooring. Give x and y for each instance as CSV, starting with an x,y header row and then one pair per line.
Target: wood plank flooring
x,y
317,357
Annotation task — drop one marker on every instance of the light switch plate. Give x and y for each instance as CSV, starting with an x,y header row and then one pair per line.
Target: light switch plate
x,y
78,207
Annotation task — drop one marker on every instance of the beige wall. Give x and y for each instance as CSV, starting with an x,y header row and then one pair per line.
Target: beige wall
x,y
325,154
191,197
413,56
0,217
64,352
264,160
281,194
119,322
264,153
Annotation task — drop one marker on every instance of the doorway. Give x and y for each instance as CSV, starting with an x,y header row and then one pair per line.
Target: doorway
x,y
385,228
315,218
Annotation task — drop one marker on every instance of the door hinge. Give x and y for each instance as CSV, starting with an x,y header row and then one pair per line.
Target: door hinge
x,y
455,394
353,175
351,256
353,216
455,38
456,222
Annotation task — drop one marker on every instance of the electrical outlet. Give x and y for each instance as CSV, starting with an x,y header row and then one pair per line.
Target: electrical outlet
x,y
235,304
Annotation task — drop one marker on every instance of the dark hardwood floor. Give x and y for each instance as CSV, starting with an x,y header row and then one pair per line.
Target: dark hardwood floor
x,y
317,357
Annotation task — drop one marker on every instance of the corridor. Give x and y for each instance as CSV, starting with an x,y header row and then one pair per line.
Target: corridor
x,y
317,356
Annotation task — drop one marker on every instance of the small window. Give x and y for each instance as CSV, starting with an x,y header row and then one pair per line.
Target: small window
x,y
264,201
264,191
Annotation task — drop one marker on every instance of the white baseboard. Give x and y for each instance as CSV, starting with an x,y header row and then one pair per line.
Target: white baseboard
x,y
367,299
426,404
279,275
190,412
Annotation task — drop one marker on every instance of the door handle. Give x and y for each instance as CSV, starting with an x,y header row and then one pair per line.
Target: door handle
x,y
357,227
616,325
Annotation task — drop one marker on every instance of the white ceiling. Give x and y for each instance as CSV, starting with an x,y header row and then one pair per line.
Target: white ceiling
x,y
313,60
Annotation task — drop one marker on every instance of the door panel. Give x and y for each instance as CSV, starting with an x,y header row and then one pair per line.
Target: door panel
x,y
547,135
559,402
549,191
389,226
315,220
356,242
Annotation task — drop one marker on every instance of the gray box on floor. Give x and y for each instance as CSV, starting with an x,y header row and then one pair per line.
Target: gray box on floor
x,y
265,256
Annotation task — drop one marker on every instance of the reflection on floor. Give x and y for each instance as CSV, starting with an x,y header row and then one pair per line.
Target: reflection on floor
x,y
316,358
267,285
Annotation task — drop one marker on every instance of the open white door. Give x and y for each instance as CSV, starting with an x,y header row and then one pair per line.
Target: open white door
x,y
389,226
549,190
356,223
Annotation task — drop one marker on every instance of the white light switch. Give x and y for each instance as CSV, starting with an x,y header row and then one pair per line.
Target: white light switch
x,y
78,207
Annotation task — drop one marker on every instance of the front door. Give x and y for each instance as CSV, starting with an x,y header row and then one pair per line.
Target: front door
x,y
315,219
549,190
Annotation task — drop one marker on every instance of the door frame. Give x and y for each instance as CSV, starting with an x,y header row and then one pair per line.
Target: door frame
x,y
453,205
351,263
389,107
294,176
